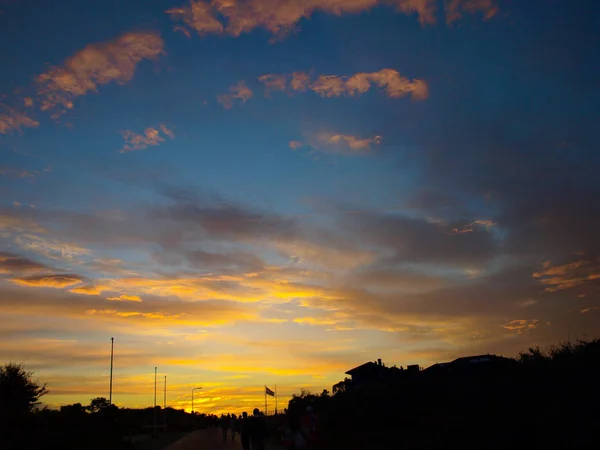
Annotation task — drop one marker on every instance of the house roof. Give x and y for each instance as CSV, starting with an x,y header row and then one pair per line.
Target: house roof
x,y
366,366
478,359
467,360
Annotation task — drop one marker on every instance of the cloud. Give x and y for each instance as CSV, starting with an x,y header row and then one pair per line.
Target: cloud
x,y
456,8
94,66
345,144
11,120
240,91
280,17
294,145
469,228
425,9
50,247
58,281
273,82
28,102
521,325
388,80
89,290
151,136
568,276
300,82
11,263
17,173
125,298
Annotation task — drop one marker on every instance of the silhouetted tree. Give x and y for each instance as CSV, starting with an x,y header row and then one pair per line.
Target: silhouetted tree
x,y
98,404
19,392
341,387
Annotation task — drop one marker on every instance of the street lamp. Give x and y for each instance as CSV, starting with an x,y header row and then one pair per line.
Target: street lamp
x,y
193,398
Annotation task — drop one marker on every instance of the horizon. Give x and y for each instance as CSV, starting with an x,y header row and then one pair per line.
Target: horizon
x,y
271,192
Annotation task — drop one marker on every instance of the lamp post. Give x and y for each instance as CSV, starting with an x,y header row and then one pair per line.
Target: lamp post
x,y
193,398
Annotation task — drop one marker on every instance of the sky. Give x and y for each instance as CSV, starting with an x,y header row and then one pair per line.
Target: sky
x,y
271,192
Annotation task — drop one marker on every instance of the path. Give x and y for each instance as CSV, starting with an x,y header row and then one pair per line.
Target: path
x,y
209,439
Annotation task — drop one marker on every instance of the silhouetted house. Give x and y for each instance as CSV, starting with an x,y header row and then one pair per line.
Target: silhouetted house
x,y
373,374
469,365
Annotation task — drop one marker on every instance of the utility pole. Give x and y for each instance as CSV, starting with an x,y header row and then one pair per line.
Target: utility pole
x,y
155,401
112,346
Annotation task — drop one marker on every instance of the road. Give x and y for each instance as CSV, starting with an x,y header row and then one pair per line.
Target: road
x,y
209,439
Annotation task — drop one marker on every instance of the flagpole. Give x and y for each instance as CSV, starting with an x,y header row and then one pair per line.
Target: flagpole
x,y
165,406
275,399
265,399
112,346
155,401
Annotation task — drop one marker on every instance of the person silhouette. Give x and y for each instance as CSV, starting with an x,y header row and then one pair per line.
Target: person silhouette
x,y
232,425
224,426
245,431
258,430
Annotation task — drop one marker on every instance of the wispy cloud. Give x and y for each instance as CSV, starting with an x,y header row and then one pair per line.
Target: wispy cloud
x,y
94,66
520,326
280,17
150,137
11,120
13,172
53,281
390,81
339,143
50,247
125,298
273,82
239,91
567,276
456,8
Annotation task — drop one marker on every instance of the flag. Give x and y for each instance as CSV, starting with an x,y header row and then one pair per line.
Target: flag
x,y
269,392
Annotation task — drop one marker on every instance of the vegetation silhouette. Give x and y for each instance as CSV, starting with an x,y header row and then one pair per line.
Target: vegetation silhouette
x,y
541,399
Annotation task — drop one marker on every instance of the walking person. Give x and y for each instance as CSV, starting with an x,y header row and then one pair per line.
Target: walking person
x,y
258,430
245,431
224,427
232,425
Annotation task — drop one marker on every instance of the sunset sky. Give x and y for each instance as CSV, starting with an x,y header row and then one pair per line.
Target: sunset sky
x,y
251,192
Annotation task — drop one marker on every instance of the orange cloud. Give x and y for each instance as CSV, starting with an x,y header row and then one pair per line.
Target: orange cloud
x,y
456,8
53,281
95,65
352,142
567,276
11,120
238,92
273,82
151,136
388,80
125,298
520,326
89,290
300,81
280,17
425,9
338,143
28,102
